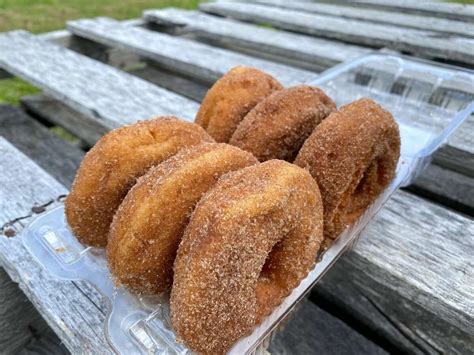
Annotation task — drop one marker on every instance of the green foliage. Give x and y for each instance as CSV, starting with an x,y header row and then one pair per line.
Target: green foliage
x,y
13,88
65,135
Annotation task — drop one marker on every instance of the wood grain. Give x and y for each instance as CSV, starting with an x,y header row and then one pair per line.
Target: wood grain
x,y
95,89
421,43
393,321
16,315
64,305
56,156
460,12
321,53
196,60
447,187
435,24
327,335
423,252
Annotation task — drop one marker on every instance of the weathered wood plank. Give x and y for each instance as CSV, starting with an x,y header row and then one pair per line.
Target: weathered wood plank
x,y
384,17
66,308
95,89
16,316
447,187
327,335
460,12
46,343
184,86
187,57
459,159
393,321
321,53
75,310
423,252
88,128
56,156
421,43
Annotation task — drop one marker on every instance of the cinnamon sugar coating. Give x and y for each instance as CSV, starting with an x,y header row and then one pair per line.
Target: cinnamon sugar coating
x,y
112,166
148,225
251,239
277,127
231,98
353,156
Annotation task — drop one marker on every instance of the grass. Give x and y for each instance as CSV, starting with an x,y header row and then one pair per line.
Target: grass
x,y
47,15
12,89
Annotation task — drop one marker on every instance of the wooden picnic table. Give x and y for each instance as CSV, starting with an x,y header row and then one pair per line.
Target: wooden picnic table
x,y
408,286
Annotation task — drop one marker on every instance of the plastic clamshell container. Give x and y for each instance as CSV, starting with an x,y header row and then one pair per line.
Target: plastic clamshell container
x,y
428,100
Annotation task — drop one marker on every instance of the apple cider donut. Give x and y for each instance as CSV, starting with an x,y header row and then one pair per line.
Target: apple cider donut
x,y
231,97
112,166
251,239
353,156
149,224
277,127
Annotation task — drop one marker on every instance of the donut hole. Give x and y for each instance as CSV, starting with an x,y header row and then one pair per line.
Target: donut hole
x,y
369,185
268,291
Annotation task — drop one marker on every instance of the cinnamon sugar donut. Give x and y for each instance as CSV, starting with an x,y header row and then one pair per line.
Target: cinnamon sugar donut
x,y
277,127
353,156
148,225
231,97
251,239
112,166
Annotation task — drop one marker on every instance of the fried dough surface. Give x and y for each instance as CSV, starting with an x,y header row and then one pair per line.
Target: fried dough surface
x,y
149,224
277,127
353,156
112,166
251,239
231,98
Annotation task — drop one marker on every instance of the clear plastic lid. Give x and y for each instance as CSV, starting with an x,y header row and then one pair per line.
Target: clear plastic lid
x,y
428,100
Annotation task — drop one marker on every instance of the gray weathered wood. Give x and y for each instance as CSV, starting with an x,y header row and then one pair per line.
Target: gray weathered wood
x,y
424,252
456,159
327,335
422,43
112,96
197,60
16,316
461,12
184,86
88,128
406,20
46,343
75,310
64,305
320,52
56,156
393,321
447,187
